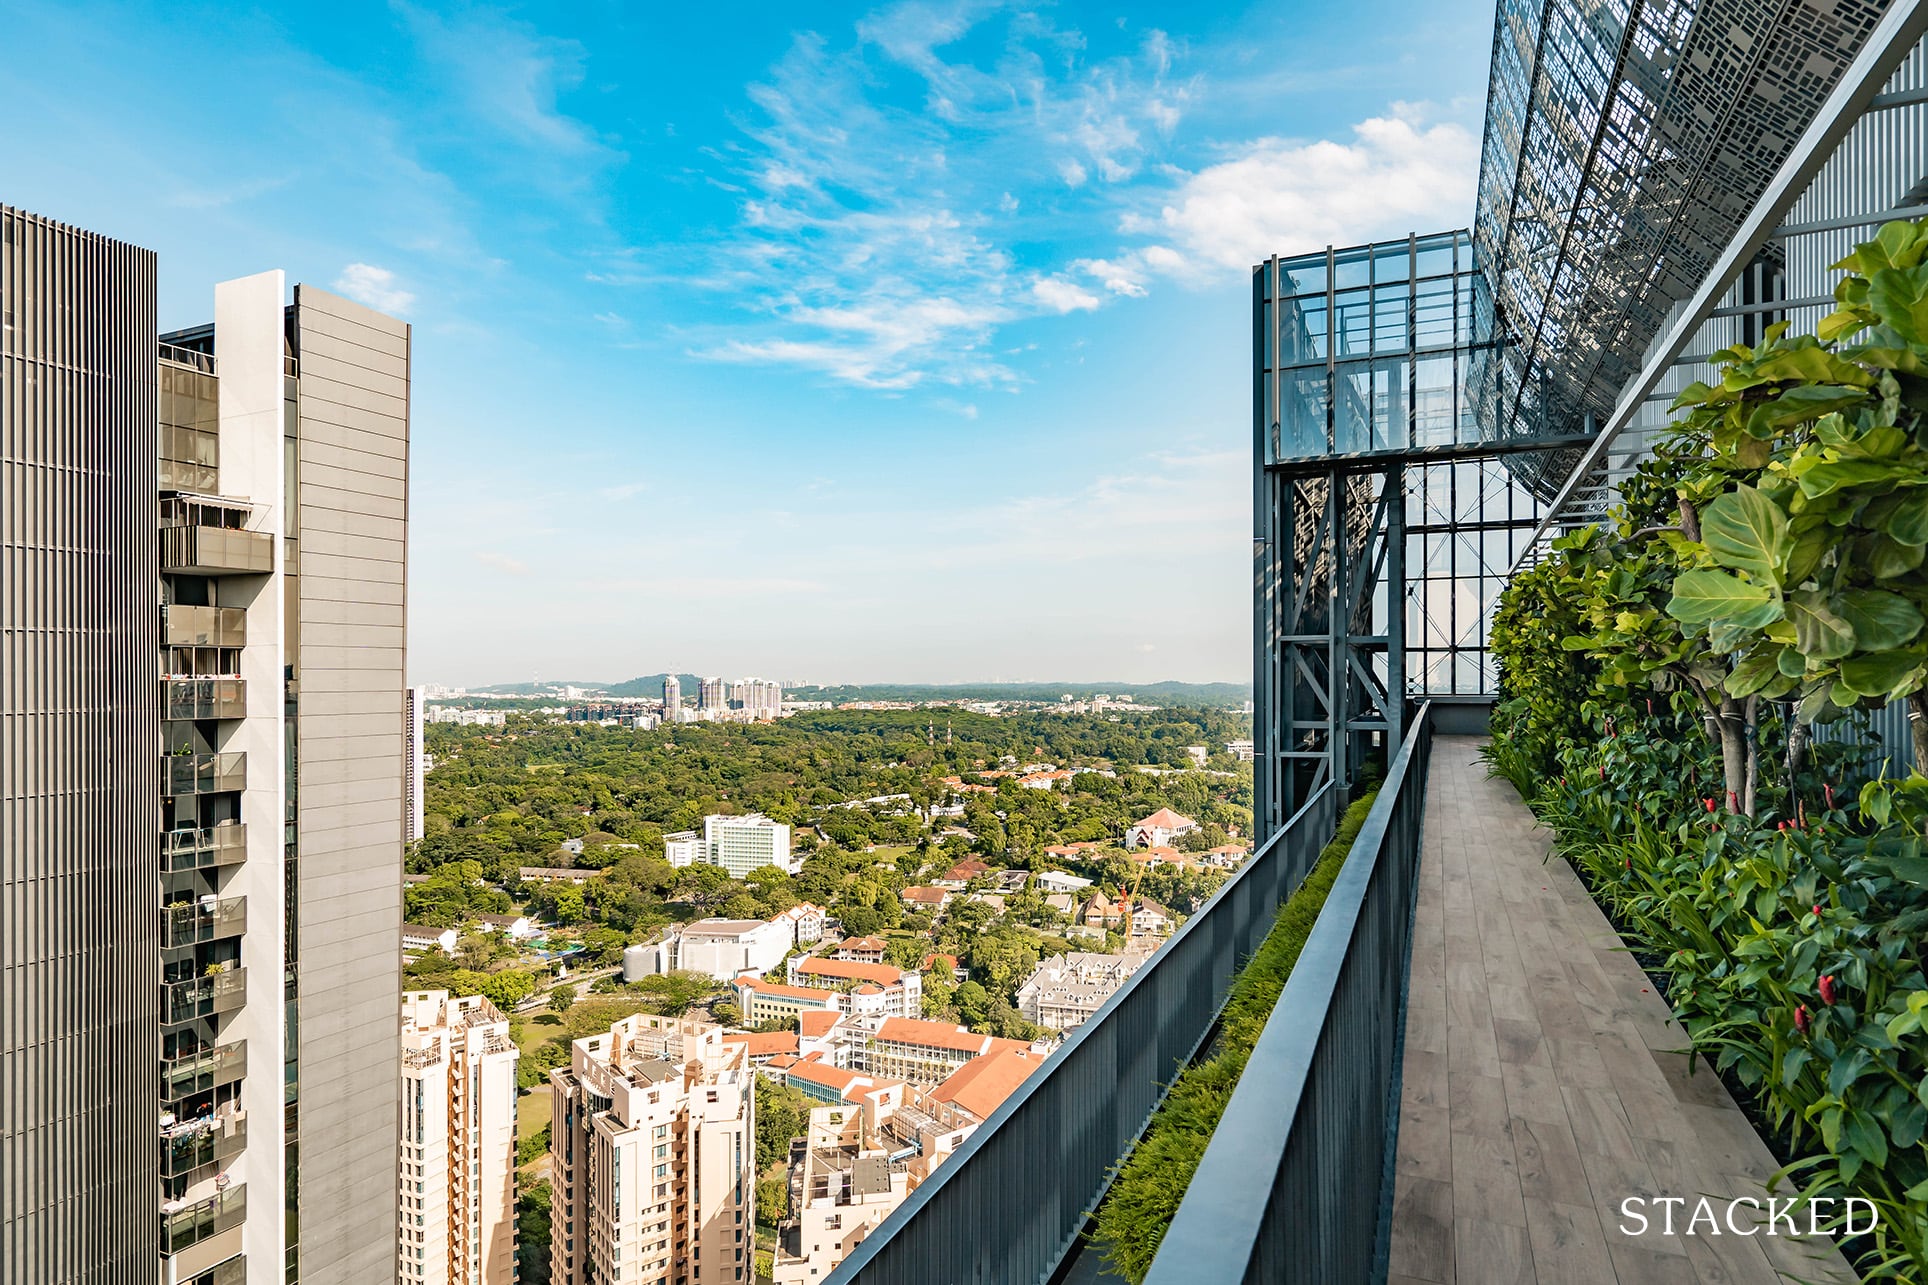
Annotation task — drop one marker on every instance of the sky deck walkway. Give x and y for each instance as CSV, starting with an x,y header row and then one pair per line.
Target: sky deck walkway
x,y
1543,1082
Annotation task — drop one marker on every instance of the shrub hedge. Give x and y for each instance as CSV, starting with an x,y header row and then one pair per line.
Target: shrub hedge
x,y
1151,1181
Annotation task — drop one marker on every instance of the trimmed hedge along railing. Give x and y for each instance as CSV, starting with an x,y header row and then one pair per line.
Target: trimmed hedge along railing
x,y
1010,1205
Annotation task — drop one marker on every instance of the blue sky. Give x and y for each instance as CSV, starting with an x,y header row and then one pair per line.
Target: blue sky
x,y
802,340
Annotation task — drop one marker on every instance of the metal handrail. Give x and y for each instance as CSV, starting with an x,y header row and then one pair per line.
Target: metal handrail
x,y
1294,1181
1044,1159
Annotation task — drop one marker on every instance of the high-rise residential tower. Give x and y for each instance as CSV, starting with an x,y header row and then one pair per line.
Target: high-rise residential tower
x,y
231,609
672,698
710,697
414,763
653,1158
457,1162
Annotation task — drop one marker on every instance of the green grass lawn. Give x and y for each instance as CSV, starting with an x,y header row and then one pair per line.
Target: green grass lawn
x,y
532,1113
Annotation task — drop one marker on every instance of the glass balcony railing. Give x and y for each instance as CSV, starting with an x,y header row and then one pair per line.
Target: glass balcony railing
x,y
203,773
203,921
215,551
204,627
192,698
203,1069
194,1145
195,997
183,1228
208,848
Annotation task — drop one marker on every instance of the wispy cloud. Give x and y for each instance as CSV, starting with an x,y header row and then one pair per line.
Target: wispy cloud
x,y
376,287
877,231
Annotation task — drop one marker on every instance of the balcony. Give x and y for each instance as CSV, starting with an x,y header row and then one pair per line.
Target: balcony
x,y
185,774
204,1235
185,699
203,1069
192,1146
204,921
204,536
197,997
204,626
209,848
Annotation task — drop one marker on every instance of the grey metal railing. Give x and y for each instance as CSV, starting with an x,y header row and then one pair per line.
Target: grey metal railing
x,y
1010,1205
1295,1180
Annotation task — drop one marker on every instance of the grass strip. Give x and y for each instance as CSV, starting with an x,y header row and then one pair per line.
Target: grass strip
x,y
1151,1182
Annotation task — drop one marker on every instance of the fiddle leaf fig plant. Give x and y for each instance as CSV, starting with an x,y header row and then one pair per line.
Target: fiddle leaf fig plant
x,y
1804,499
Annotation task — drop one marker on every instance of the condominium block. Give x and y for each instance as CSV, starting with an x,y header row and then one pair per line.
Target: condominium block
x,y
456,1169
211,528
653,1157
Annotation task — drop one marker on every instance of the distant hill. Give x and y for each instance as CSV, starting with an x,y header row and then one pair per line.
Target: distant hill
x,y
1165,693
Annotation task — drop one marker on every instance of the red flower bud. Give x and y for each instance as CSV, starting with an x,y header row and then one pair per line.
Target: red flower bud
x,y
1817,910
1710,804
1829,791
1801,1018
1780,825
1603,771
1827,988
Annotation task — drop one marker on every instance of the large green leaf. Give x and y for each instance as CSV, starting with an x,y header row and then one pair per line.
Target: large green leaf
x,y
1899,296
1831,475
1811,364
1801,403
1891,558
1881,619
1754,673
1907,522
1881,673
1746,531
1704,595
1818,631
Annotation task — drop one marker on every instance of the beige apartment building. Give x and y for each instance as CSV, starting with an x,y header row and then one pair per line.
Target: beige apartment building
x,y
457,1163
653,1157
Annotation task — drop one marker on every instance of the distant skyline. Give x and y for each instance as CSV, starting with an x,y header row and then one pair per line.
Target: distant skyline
x,y
899,345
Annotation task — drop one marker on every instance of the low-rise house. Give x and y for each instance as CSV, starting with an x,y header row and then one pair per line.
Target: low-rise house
x,y
1012,880
1043,780
866,950
1102,912
515,927
1155,856
961,873
1066,990
1064,903
1159,829
946,962
995,900
1226,856
555,874
1150,918
420,937
1059,881
806,922
927,897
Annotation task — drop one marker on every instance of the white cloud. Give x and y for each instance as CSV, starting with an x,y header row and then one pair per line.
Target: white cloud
x,y
1282,196
376,287
622,491
1063,296
1071,172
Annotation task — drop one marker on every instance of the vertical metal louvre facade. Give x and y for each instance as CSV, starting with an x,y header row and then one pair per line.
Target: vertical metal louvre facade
x,y
79,771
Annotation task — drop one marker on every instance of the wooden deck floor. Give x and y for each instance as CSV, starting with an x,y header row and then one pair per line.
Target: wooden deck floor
x,y
1544,1083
